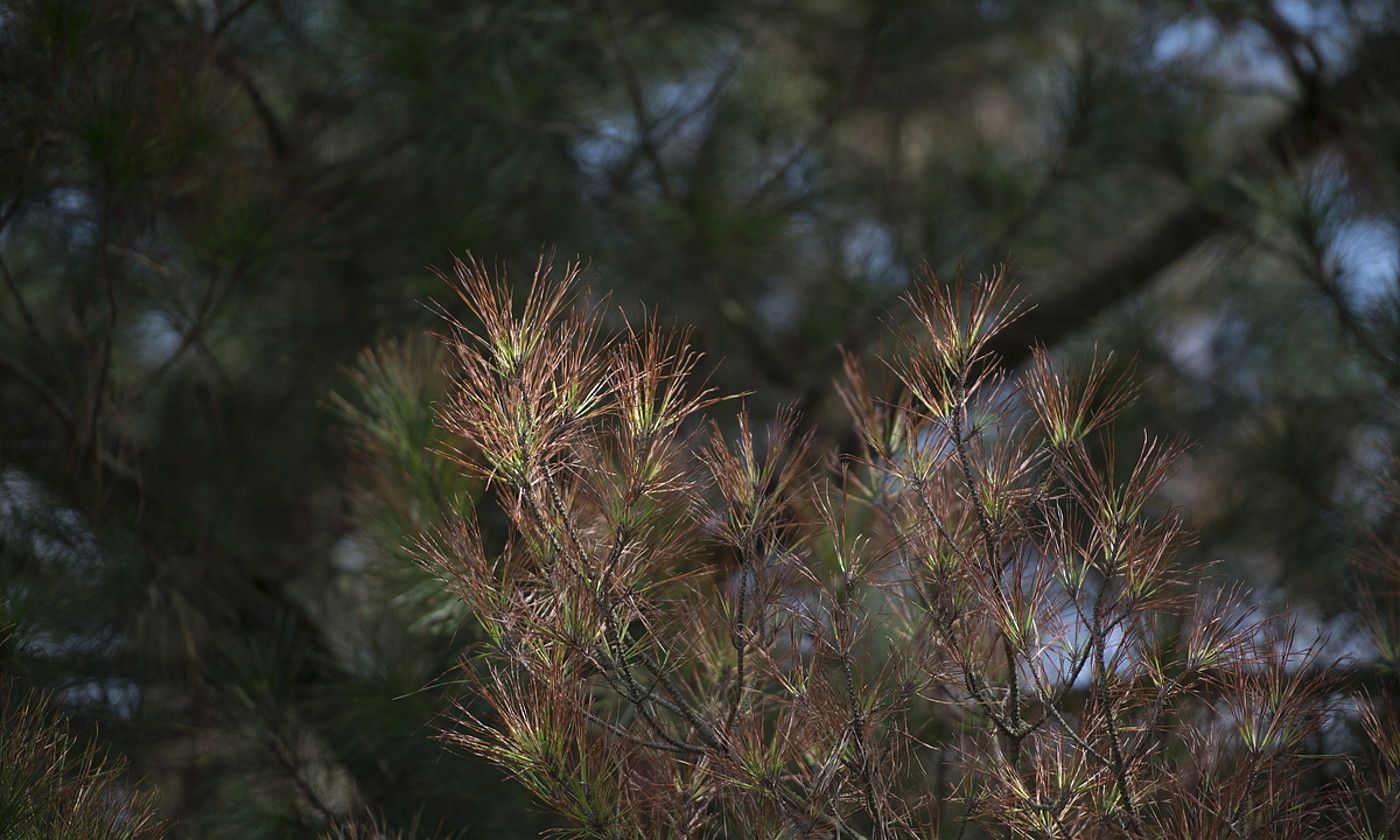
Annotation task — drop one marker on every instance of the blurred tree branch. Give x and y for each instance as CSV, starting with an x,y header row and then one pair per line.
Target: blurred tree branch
x,y
1315,123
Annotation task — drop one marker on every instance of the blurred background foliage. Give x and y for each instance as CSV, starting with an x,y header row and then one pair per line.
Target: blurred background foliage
x,y
216,435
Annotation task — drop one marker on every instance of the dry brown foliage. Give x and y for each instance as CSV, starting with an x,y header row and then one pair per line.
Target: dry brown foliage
x,y
974,626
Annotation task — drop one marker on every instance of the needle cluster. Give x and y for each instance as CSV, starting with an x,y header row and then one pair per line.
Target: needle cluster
x,y
975,625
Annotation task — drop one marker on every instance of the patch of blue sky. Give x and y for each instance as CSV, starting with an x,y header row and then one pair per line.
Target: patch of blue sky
x,y
1366,253
868,251
52,533
1242,57
609,142
120,697
157,337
